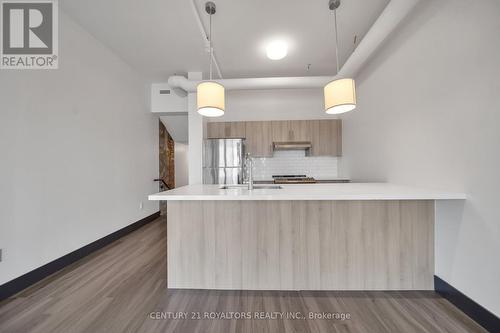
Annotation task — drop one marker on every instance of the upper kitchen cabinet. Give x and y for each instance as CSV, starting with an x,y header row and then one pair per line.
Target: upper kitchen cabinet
x,y
291,130
326,137
259,141
280,131
226,130
300,130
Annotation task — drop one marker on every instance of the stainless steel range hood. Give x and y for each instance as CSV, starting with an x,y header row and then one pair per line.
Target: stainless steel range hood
x,y
292,145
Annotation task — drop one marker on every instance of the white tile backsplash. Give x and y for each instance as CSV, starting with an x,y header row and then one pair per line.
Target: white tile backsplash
x,y
294,162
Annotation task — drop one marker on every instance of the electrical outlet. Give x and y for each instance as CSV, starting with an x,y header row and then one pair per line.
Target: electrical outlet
x,y
141,205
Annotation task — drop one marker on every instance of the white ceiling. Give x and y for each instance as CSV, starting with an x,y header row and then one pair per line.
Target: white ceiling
x,y
161,37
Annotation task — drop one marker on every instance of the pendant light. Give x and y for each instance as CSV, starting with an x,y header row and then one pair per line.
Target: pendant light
x,y
210,94
340,94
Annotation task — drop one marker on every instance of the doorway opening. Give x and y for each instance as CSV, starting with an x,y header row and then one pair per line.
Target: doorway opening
x,y
166,163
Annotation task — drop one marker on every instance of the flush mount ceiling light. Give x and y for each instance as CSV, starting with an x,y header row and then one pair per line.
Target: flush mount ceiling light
x,y
277,50
340,94
210,94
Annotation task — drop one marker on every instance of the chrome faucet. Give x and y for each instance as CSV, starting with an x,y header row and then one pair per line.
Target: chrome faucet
x,y
249,166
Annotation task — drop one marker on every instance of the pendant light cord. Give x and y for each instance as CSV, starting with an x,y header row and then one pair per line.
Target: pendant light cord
x,y
336,40
210,43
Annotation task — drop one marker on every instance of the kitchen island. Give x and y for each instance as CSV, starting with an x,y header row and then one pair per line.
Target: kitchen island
x,y
354,236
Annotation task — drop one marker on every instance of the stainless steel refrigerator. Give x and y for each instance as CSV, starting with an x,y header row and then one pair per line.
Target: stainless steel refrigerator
x,y
223,161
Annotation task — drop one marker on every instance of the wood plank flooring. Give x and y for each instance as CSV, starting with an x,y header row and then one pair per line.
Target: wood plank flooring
x,y
122,288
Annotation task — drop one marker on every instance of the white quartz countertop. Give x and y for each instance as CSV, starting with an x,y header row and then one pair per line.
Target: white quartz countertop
x,y
342,191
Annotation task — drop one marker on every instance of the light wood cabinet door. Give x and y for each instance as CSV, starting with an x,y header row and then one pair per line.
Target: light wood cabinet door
x,y
226,130
215,130
299,130
280,130
259,138
237,130
291,130
326,137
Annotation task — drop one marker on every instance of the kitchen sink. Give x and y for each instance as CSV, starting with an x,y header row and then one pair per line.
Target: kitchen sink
x,y
267,187
233,187
255,187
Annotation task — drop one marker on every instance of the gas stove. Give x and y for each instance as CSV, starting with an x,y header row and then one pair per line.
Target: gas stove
x,y
293,179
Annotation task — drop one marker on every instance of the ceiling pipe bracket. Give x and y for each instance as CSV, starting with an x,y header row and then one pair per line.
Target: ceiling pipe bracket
x,y
304,82
210,8
333,4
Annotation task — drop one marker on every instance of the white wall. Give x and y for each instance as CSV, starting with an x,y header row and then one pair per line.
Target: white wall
x,y
79,151
177,126
429,115
181,164
167,103
195,135
274,104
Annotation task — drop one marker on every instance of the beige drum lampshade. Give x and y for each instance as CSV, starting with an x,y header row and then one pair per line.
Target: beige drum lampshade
x,y
210,99
340,96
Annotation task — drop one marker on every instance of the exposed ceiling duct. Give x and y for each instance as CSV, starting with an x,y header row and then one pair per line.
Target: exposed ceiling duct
x,y
386,23
183,83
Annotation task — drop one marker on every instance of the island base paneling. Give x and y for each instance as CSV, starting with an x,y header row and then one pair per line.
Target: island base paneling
x,y
301,245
